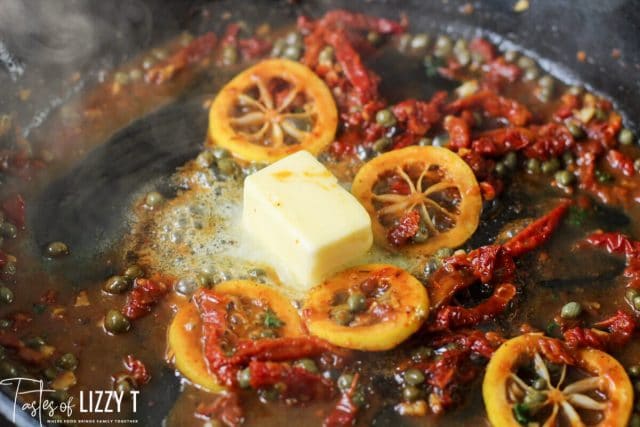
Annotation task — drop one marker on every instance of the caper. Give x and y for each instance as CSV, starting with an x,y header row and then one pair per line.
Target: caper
x,y
123,386
382,144
575,129
526,62
292,52
6,295
567,158
564,178
630,294
441,140
341,315
293,38
133,272
229,55
244,378
385,118
634,370
636,165
116,285
345,381
187,285
544,94
67,361
533,165
600,114
423,142
421,354
228,167
221,153
307,365
546,81
413,376
419,41
500,169
10,268
8,369
531,73
9,230
153,199
356,302
626,137
373,37
443,46
510,55
636,303
50,373
550,166
410,393
278,47
463,57
325,56
510,160
56,249
115,322
121,78
185,38
571,310
159,53
135,74
358,397
539,384
403,42
5,324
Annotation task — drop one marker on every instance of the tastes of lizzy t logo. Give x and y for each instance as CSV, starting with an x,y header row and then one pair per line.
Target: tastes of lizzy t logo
x,y
30,397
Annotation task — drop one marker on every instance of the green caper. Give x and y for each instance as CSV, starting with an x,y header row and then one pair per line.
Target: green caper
x,y
5,324
630,294
419,41
385,118
356,302
441,140
636,165
293,38
9,230
121,78
221,153
50,373
56,249
636,303
423,142
188,285
358,397
544,94
571,310
278,47
626,137
550,166
546,81
564,178
421,354
229,55
500,169
575,129
67,361
153,199
531,73
115,322
567,158
601,115
228,167
411,393
307,365
443,46
413,376
133,272
123,386
539,384
8,369
159,53
510,160
634,370
116,285
325,56
510,55
341,315
373,37
135,74
10,268
533,165
244,378
403,42
6,295
463,57
526,62
292,52
345,381
382,144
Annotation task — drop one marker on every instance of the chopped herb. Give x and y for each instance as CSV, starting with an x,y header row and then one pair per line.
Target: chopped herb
x,y
577,216
603,177
271,320
521,412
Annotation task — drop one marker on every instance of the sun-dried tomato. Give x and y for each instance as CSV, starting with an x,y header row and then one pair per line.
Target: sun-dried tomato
x,y
136,370
224,408
618,243
618,330
296,384
145,294
483,48
407,227
622,162
459,132
493,105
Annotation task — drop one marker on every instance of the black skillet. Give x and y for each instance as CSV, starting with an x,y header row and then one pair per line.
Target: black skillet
x,y
91,199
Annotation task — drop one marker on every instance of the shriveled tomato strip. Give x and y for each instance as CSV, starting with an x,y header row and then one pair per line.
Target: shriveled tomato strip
x,y
136,369
345,412
407,227
619,330
299,384
620,244
225,408
145,294
494,105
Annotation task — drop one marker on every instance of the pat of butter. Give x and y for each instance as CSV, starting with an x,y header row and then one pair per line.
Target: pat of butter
x,y
310,225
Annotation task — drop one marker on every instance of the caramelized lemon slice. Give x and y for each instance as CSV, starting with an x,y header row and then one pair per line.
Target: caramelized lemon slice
x,y
371,307
595,390
420,199
273,109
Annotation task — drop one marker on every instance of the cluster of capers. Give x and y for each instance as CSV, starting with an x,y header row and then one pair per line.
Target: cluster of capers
x,y
289,46
387,119
344,383
66,362
123,383
343,314
207,278
563,177
114,321
125,77
412,379
507,164
224,165
633,298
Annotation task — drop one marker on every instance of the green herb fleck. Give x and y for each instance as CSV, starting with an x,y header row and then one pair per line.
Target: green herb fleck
x,y
577,216
271,320
521,412
603,177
